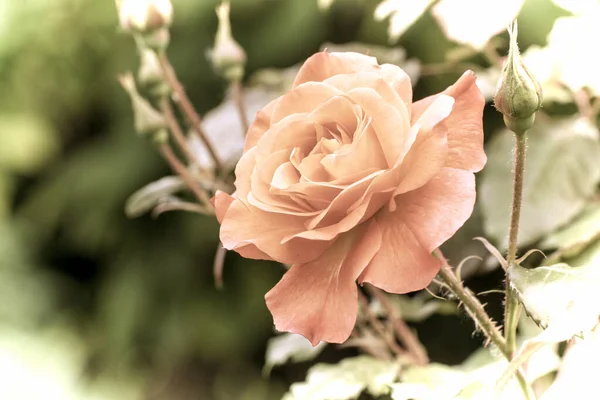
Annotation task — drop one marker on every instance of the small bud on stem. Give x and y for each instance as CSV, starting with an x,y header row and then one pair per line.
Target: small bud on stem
x,y
227,56
144,16
148,121
518,94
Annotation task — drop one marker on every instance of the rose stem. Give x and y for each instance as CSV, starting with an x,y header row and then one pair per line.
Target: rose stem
x,y
511,315
477,313
404,333
184,173
391,342
176,131
218,265
238,97
186,106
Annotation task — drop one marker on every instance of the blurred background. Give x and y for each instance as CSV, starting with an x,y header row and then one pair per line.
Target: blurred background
x,y
94,305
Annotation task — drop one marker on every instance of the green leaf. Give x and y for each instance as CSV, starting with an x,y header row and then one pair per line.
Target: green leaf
x,y
417,308
346,380
573,238
289,347
146,198
561,174
565,299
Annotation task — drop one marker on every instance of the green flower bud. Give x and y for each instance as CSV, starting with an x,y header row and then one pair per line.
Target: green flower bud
x,y
148,121
150,75
227,56
144,16
518,94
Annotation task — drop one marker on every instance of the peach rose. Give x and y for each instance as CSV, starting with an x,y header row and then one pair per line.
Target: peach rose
x,y
347,179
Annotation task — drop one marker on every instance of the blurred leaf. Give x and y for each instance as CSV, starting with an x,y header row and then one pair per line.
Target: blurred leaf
x,y
492,18
434,381
224,129
27,143
402,14
564,299
578,369
289,347
417,308
146,198
578,234
345,380
561,174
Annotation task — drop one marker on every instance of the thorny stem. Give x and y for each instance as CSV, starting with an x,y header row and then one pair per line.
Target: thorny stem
x,y
185,174
378,326
186,106
511,315
238,97
478,314
403,331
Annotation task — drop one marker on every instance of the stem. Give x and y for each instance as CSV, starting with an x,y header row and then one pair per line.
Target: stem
x,y
403,331
182,171
378,326
478,314
511,315
186,106
238,98
176,131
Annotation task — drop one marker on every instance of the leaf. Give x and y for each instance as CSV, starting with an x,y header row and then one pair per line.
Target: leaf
x,y
289,347
565,299
223,127
146,198
346,380
417,308
492,18
579,369
577,235
561,174
434,381
402,13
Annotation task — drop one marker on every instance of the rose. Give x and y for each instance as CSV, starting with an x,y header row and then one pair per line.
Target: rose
x,y
346,179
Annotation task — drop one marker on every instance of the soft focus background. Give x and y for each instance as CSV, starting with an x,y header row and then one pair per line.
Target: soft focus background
x,y
94,305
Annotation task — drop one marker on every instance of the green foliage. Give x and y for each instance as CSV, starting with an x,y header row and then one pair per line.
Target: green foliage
x,y
346,380
561,174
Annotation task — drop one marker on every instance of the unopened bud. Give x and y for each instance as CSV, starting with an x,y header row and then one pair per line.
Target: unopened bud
x,y
518,94
144,16
228,57
150,75
148,121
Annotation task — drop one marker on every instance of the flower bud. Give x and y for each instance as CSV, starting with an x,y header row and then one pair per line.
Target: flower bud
x,y
147,120
144,16
228,57
518,94
150,75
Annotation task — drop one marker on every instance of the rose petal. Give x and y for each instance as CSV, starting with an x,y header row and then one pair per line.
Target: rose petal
x,y
424,219
303,99
323,65
245,224
402,263
390,125
221,202
260,125
437,210
465,123
319,299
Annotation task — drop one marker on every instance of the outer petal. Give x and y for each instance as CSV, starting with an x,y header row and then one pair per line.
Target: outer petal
x,y
244,224
323,65
260,125
319,300
465,123
221,202
424,219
